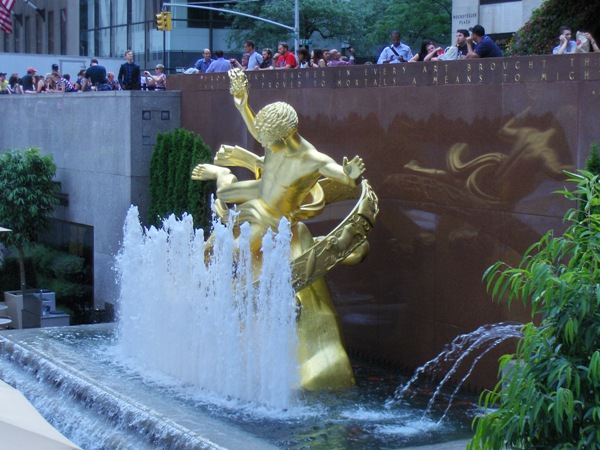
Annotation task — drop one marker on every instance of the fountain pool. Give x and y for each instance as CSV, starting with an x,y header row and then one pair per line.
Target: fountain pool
x,y
198,361
79,380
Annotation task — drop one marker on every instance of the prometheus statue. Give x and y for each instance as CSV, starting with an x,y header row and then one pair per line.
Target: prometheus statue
x,y
296,181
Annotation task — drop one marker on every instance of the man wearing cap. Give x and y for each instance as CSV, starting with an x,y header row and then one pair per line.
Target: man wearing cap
x,y
3,84
28,82
486,48
96,76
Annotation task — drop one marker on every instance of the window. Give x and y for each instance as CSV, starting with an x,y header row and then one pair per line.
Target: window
x,y
27,35
63,31
39,33
51,48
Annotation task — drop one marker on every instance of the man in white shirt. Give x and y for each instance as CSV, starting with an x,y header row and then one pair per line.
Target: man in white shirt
x,y
254,58
396,52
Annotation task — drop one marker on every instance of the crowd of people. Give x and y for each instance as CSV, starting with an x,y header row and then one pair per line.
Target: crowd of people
x,y
471,43
283,58
94,78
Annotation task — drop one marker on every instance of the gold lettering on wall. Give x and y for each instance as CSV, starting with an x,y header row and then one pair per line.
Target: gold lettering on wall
x,y
432,73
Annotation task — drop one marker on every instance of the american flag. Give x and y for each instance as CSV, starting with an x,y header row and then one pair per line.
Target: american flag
x,y
6,7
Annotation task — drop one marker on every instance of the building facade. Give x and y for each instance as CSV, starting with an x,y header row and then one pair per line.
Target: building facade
x,y
500,18
106,28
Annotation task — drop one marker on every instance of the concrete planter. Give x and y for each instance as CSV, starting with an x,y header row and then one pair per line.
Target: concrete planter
x,y
34,310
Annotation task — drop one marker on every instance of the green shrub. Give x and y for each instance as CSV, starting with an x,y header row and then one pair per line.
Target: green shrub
x,y
171,189
549,393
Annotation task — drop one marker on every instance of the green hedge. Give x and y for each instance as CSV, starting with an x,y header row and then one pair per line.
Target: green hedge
x,y
172,191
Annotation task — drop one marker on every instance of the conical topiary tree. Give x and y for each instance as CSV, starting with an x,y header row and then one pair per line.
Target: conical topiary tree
x,y
172,191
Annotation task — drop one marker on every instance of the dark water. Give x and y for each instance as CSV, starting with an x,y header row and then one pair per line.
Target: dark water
x,y
77,379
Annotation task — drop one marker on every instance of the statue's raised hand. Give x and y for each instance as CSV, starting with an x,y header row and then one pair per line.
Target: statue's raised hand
x,y
238,85
353,168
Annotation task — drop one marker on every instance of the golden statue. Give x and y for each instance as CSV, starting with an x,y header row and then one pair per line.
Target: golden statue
x,y
296,181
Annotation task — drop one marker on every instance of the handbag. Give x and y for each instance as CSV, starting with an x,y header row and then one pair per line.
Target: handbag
x,y
450,54
583,45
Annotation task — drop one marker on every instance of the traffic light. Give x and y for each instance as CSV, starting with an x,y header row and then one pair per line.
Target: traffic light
x,y
168,23
163,21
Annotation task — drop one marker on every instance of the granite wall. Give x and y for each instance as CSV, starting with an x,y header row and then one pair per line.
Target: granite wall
x,y
464,155
101,144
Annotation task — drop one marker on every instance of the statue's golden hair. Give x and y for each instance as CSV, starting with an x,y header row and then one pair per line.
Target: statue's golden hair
x,y
276,121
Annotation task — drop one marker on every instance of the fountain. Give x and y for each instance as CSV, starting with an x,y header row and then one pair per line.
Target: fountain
x,y
475,344
223,344
134,386
238,340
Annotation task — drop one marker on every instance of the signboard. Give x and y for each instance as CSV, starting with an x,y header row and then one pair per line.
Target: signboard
x,y
464,17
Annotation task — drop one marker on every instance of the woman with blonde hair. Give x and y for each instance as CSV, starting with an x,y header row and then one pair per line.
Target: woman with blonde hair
x,y
159,80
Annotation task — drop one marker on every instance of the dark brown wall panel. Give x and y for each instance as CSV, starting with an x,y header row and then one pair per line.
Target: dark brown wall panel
x,y
464,157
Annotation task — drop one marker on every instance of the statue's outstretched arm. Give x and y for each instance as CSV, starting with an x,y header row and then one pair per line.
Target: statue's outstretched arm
x,y
237,156
347,173
238,88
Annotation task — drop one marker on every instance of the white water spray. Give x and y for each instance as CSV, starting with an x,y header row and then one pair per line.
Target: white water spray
x,y
478,342
207,325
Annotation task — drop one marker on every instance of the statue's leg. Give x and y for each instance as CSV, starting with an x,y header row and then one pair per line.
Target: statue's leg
x,y
222,175
322,357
